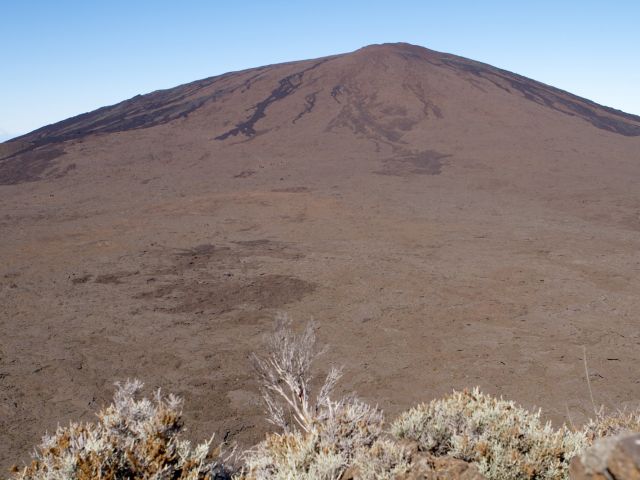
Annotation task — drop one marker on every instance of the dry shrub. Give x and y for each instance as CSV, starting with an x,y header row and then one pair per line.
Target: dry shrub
x,y
608,424
504,440
321,437
385,460
133,438
285,377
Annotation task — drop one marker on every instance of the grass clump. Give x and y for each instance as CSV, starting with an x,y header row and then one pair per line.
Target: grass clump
x,y
132,439
504,440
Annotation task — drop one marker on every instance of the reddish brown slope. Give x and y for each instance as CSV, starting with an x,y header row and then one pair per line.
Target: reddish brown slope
x,y
447,223
379,92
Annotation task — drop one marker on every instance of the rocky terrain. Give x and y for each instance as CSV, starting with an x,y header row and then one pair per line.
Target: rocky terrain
x,y
447,224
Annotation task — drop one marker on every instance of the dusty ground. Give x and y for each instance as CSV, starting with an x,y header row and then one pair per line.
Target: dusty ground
x,y
443,229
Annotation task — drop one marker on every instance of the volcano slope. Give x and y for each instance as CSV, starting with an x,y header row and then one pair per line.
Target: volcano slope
x,y
447,224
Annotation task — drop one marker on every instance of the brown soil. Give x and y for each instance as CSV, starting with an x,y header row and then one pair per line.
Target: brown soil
x,y
32,165
446,223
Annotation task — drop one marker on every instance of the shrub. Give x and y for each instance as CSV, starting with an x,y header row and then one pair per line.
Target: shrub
x,y
133,438
611,424
504,440
320,437
306,456
385,460
285,377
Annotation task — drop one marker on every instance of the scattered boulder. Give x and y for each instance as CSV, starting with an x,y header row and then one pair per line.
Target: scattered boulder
x,y
610,458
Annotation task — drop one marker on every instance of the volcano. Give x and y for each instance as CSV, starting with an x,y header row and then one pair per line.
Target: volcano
x,y
445,222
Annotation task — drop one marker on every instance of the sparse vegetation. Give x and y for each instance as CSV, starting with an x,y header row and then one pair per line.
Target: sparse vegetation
x,y
608,424
320,438
503,439
133,438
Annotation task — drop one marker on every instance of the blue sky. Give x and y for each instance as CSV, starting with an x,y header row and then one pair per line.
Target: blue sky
x,y
63,57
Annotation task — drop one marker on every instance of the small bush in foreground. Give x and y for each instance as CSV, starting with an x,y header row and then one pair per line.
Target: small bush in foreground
x,y
133,438
321,437
611,424
504,440
306,456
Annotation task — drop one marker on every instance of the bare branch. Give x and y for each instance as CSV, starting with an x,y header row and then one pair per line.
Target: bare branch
x,y
284,374
329,384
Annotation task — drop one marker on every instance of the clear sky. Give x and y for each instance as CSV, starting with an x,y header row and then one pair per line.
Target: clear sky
x,y
63,57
